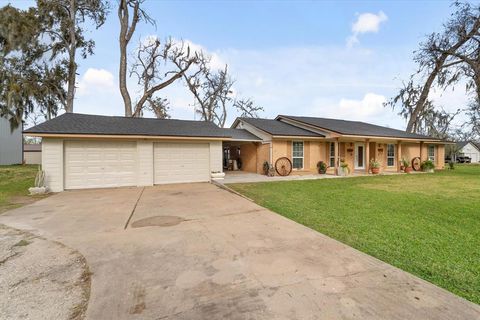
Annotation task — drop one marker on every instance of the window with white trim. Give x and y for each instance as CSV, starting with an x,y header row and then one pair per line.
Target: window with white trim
x,y
431,152
297,154
332,154
390,155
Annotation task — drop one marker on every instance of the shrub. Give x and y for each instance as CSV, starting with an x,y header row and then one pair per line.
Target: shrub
x,y
427,165
451,165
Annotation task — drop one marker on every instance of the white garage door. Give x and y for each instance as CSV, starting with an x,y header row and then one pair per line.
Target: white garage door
x,y
472,156
100,164
181,162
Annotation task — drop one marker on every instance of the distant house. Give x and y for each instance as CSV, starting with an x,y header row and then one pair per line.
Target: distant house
x,y
469,149
32,153
11,143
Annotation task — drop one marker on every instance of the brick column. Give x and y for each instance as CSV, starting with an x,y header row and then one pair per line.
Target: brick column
x,y
367,155
336,156
399,155
421,151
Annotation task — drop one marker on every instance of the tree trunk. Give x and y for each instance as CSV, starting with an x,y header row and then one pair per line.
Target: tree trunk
x,y
438,66
424,95
72,66
123,16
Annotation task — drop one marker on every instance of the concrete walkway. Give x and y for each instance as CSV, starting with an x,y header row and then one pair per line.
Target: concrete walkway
x,y
248,177
195,251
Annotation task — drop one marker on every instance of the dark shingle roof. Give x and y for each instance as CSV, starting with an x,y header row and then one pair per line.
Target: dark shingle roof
x,y
75,123
461,144
241,134
355,127
278,128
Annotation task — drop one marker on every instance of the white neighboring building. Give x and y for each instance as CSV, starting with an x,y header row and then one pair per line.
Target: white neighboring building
x,y
469,149
11,143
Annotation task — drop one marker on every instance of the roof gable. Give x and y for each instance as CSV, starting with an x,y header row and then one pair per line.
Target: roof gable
x,y
357,128
278,128
462,144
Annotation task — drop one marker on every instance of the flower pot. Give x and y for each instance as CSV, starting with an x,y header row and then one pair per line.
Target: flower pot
x,y
343,171
37,190
217,175
429,170
408,170
322,171
375,170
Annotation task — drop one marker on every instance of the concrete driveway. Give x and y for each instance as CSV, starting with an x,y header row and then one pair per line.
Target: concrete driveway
x,y
195,251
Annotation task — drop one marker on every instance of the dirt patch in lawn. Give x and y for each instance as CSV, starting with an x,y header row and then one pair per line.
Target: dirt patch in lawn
x,y
19,201
41,279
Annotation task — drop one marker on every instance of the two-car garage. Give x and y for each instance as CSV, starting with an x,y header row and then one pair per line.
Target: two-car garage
x,y
102,164
81,151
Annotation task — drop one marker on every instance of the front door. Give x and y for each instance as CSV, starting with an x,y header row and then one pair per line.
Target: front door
x,y
359,156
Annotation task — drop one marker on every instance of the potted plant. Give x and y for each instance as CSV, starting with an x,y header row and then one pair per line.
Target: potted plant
x,y
428,166
375,166
268,169
344,169
406,167
40,187
322,167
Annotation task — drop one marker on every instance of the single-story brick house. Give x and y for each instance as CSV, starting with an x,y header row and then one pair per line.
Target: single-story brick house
x,y
308,140
90,151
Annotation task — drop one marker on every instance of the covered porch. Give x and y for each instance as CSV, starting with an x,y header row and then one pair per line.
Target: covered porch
x,y
357,153
240,152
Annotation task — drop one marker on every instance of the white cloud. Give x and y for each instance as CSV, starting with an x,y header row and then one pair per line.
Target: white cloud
x,y
216,62
371,105
366,23
95,80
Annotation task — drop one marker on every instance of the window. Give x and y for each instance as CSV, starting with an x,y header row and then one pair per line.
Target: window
x,y
297,154
332,154
431,152
390,155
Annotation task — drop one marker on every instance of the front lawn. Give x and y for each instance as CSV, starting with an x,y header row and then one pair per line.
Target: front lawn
x,y
426,224
14,183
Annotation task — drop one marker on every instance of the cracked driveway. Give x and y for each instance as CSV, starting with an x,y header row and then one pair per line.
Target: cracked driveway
x,y
195,251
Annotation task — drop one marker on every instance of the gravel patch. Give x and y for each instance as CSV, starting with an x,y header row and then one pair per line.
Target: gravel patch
x,y
41,279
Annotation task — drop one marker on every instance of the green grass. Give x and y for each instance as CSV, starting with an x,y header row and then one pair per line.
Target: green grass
x,y
426,224
14,183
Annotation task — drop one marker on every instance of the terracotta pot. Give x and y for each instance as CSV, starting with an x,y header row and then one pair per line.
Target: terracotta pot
x,y
375,170
408,169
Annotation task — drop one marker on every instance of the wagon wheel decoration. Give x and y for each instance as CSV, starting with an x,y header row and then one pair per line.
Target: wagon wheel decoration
x,y
416,163
283,166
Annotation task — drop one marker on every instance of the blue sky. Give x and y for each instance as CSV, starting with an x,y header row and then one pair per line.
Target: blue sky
x,y
329,59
